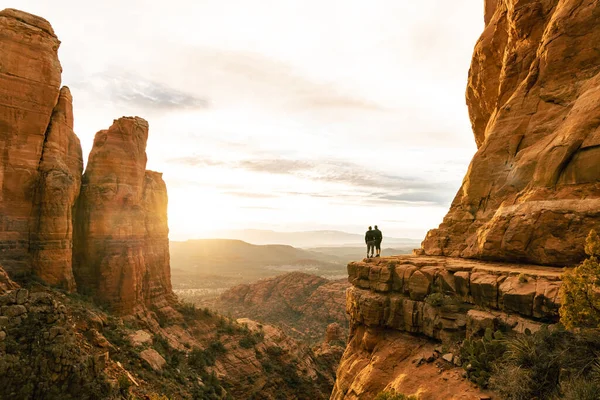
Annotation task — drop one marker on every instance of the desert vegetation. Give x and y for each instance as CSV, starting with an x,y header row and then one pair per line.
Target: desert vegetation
x,y
393,395
580,292
561,361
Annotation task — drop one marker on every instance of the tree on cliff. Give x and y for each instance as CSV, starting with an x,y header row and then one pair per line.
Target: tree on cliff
x,y
580,292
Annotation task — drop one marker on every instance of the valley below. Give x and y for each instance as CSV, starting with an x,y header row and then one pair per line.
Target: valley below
x,y
203,269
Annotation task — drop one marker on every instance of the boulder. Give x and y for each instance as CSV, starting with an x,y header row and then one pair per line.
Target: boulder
x,y
419,285
516,294
140,337
484,289
153,358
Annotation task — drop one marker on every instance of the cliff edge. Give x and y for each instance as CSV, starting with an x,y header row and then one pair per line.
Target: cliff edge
x,y
401,307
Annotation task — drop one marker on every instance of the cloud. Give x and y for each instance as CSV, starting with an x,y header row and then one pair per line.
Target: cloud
x,y
350,181
276,166
353,183
374,184
270,166
139,92
424,196
252,195
328,195
240,76
195,161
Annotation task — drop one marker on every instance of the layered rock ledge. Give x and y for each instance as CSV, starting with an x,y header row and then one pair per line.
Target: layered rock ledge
x,y
398,304
397,293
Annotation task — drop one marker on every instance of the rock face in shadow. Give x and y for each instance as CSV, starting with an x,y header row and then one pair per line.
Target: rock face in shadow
x,y
157,288
532,191
30,76
121,254
51,240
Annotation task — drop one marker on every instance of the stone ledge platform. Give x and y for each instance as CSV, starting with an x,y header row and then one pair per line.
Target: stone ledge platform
x,y
392,292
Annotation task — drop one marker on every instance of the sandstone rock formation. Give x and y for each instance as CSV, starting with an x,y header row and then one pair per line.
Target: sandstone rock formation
x,y
532,191
395,292
121,246
377,360
60,168
121,253
441,298
303,305
30,76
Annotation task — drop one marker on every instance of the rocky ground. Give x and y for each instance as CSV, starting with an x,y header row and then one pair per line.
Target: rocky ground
x,y
60,346
385,360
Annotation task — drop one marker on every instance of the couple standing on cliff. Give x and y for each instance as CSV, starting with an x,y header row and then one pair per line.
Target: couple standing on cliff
x,y
373,239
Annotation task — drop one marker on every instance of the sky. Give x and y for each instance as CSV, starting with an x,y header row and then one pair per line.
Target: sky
x,y
281,114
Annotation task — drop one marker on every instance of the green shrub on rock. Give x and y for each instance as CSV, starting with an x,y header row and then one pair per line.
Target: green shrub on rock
x,y
435,299
580,291
547,364
479,354
393,395
580,389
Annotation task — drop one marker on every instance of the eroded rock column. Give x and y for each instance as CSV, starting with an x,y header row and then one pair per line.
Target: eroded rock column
x,y
51,239
121,238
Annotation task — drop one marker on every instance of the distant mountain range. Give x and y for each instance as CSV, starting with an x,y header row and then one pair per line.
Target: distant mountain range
x,y
218,263
307,239
215,264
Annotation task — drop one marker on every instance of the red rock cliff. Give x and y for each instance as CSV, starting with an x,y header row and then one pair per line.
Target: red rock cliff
x,y
51,240
40,155
121,253
157,287
532,191
29,89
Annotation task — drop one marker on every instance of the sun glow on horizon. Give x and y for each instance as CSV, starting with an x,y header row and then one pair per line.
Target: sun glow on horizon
x,y
282,115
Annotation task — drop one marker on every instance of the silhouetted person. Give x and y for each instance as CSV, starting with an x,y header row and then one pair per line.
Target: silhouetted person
x,y
378,237
370,241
